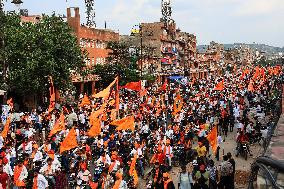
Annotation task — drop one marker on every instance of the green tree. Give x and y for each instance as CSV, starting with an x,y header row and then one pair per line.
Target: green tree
x,y
120,62
35,51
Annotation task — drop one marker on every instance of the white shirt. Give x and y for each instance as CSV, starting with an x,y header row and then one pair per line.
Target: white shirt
x,y
38,156
42,183
83,176
1,142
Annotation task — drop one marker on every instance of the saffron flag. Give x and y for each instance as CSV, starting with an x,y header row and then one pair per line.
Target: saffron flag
x,y
106,92
220,86
134,86
6,128
69,142
85,101
95,130
124,123
212,138
58,126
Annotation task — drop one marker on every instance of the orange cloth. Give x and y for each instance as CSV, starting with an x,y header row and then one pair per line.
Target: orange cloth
x,y
250,86
17,173
95,130
69,142
134,86
124,123
106,92
35,186
58,126
6,128
220,86
85,101
212,138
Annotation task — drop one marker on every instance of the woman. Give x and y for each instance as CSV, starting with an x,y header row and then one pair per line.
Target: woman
x,y
185,179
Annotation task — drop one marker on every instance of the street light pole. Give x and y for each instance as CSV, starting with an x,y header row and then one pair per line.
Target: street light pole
x,y
141,50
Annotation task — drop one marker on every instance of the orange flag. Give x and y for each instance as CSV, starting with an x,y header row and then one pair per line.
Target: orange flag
x,y
134,86
85,101
124,123
106,92
212,138
69,142
220,86
95,130
58,126
6,128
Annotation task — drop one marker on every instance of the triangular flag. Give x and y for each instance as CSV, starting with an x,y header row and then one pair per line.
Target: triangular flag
x,y
58,126
105,93
95,130
212,138
124,123
69,142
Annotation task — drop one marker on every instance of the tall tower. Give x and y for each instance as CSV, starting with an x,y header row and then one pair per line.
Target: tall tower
x,y
90,11
166,11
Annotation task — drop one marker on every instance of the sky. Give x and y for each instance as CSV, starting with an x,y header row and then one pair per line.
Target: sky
x,y
223,21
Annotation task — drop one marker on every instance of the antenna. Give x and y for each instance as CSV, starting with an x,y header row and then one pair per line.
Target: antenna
x,y
166,11
90,11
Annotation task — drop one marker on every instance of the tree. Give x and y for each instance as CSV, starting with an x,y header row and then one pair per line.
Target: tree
x,y
35,51
120,62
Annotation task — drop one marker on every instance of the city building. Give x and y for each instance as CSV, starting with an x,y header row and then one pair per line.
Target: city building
x,y
94,42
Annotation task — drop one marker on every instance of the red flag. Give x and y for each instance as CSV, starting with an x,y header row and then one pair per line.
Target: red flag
x,y
212,138
220,86
135,86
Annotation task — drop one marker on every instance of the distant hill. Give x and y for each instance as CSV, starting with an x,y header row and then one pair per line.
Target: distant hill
x,y
260,47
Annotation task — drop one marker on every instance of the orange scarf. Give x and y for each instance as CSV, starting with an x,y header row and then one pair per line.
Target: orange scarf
x,y
17,173
35,183
166,183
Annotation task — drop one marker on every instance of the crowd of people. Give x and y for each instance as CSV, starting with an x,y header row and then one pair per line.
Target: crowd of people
x,y
171,125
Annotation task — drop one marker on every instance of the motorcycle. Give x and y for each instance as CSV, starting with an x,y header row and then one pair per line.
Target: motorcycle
x,y
243,149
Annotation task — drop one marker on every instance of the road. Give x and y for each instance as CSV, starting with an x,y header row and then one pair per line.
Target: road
x,y
228,146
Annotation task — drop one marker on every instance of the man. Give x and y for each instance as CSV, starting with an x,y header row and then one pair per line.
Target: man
x,y
201,150
39,181
232,161
20,175
84,176
168,152
4,179
226,171
167,182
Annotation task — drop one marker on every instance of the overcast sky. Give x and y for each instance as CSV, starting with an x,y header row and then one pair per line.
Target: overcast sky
x,y
224,21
